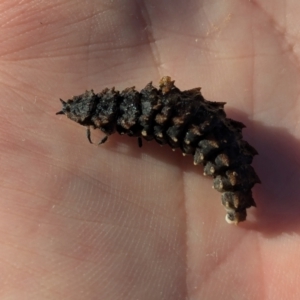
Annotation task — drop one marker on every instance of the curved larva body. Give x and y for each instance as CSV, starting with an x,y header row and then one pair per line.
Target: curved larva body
x,y
182,119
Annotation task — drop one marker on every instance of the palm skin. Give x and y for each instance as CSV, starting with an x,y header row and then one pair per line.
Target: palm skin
x,y
119,222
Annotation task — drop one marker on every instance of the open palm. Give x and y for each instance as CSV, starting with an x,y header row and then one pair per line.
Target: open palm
x,y
118,222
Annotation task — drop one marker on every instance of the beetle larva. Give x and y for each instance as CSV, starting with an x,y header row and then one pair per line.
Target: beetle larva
x,y
181,119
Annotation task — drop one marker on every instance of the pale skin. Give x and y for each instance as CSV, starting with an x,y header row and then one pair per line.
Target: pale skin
x,y
80,221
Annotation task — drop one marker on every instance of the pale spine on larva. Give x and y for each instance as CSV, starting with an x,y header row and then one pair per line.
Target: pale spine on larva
x,y
182,119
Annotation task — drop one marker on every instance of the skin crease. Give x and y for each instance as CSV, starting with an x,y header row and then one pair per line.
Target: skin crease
x,y
79,221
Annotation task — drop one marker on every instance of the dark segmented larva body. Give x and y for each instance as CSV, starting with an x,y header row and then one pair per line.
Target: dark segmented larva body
x,y
182,119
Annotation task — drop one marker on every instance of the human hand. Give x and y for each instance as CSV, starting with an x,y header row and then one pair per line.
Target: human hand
x,y
119,222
